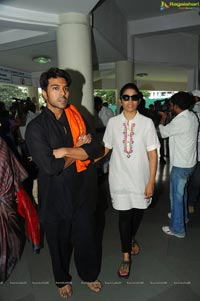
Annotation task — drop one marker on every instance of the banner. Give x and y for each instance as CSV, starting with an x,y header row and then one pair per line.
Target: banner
x,y
12,76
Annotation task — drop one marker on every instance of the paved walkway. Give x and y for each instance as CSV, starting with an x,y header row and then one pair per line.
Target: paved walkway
x,y
167,268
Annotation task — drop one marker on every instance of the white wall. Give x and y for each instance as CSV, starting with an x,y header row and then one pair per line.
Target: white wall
x,y
177,48
161,86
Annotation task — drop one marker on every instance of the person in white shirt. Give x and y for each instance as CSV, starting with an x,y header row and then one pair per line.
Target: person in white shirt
x,y
133,140
30,115
102,114
182,132
196,94
105,114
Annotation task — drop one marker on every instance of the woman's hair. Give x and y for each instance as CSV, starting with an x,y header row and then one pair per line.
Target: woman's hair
x,y
53,73
129,86
183,100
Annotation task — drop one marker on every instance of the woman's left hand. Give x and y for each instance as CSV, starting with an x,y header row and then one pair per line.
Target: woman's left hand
x,y
84,139
149,190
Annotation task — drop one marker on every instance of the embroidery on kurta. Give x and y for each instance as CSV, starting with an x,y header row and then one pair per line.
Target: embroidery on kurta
x,y
128,137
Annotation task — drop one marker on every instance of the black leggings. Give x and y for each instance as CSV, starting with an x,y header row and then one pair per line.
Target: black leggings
x,y
129,222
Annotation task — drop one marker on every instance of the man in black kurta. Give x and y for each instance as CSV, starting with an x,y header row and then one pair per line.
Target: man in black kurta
x,y
66,207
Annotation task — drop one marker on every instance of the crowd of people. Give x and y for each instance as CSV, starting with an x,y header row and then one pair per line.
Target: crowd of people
x,y
65,153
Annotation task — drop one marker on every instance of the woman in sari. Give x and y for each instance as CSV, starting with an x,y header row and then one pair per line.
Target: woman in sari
x,y
14,204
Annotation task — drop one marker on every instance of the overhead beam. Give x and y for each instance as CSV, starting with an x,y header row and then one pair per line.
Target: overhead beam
x,y
165,23
25,19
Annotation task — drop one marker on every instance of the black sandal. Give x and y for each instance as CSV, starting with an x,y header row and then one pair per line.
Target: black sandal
x,y
125,265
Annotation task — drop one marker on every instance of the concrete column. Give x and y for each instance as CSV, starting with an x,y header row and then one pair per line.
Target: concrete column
x,y
75,55
124,74
191,79
34,96
198,65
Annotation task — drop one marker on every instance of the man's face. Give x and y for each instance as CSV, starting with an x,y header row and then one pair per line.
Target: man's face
x,y
196,98
57,94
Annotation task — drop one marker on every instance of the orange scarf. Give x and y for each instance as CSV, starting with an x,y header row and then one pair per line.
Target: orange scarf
x,y
77,127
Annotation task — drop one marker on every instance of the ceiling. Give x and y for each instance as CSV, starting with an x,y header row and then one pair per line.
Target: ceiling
x,y
141,9
52,6
21,41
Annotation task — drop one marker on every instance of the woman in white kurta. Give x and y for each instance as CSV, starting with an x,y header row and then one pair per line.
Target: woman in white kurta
x,y
133,140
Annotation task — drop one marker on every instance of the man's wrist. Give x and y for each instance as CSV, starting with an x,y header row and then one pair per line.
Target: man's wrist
x,y
68,162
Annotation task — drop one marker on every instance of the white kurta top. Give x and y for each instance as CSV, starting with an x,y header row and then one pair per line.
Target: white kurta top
x,y
128,177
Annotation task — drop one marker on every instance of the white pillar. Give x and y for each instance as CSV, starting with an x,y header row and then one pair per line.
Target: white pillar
x,y
193,81
124,74
198,65
33,94
190,80
75,55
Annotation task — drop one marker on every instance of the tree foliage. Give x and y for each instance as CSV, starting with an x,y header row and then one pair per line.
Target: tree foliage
x,y
106,95
8,93
145,93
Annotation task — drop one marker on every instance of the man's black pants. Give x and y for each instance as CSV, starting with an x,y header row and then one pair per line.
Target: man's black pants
x,y
77,232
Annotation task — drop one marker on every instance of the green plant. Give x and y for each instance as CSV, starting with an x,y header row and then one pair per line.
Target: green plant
x,y
8,93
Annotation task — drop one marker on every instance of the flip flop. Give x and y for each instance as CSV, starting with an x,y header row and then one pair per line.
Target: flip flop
x,y
125,265
135,248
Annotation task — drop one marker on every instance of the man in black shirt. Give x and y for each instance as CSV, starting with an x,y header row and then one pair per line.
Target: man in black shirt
x,y
60,145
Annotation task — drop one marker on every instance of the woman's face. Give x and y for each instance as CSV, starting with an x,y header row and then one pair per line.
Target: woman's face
x,y
128,103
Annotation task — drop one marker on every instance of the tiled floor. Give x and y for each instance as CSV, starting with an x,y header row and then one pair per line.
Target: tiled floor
x,y
167,268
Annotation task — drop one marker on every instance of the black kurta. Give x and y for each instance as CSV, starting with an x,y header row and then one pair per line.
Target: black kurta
x,y
60,190
66,198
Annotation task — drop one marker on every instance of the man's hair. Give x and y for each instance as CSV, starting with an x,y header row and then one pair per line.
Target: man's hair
x,y
97,99
98,103
53,73
129,86
183,100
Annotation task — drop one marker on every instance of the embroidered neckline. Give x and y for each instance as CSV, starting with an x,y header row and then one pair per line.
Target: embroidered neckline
x,y
128,133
